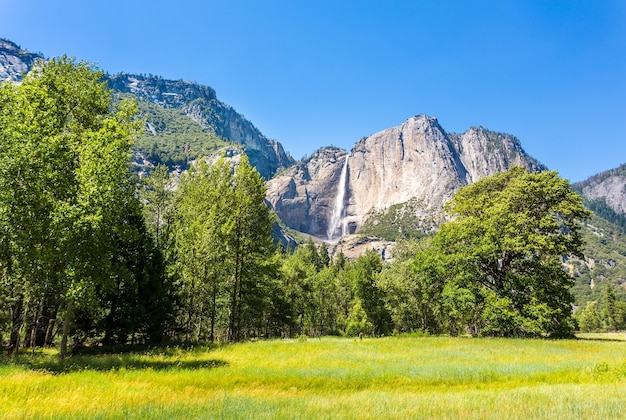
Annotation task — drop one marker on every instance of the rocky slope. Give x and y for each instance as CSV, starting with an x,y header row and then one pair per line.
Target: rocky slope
x,y
196,103
416,162
608,187
15,61
200,104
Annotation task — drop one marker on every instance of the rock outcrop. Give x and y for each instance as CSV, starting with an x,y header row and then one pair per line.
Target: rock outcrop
x,y
197,102
608,186
14,61
200,103
416,161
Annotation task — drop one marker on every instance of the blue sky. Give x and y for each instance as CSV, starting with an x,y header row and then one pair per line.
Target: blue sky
x,y
316,73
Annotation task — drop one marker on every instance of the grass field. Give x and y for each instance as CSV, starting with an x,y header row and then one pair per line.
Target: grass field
x,y
394,377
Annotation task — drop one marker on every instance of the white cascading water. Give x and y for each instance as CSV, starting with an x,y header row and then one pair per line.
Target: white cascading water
x,y
337,221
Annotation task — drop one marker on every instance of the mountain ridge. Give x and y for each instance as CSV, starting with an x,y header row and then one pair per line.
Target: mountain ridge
x,y
196,102
417,160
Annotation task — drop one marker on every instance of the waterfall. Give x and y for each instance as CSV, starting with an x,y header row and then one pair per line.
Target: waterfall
x,y
337,221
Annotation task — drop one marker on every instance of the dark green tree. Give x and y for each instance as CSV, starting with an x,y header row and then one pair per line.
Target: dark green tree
x,y
411,289
589,319
202,228
251,249
610,313
364,274
224,251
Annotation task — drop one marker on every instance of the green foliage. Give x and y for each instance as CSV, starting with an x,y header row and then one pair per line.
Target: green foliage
x,y
173,138
505,246
602,209
610,314
399,221
363,274
224,252
357,323
71,225
604,263
589,319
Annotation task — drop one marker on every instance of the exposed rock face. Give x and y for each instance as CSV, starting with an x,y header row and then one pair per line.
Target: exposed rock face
x,y
609,186
417,160
303,197
14,61
200,103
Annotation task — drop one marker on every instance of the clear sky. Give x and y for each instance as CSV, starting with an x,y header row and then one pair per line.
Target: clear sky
x,y
318,73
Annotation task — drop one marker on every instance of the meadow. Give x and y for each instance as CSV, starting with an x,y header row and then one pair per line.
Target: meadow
x,y
393,377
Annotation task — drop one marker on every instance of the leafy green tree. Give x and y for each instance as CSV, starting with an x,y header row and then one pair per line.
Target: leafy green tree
x,y
224,251
411,291
357,322
324,256
158,195
505,244
297,272
364,274
203,225
64,179
251,248
589,319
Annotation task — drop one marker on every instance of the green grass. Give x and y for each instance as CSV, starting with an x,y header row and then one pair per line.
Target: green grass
x,y
395,377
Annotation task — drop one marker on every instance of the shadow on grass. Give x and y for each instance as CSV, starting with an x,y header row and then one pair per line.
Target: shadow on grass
x,y
126,363
121,358
600,339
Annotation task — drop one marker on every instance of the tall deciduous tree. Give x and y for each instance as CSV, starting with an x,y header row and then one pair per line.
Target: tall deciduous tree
x,y
224,249
64,184
203,225
251,248
505,245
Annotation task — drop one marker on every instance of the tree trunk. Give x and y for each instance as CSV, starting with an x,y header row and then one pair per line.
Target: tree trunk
x,y
213,310
50,332
17,319
69,314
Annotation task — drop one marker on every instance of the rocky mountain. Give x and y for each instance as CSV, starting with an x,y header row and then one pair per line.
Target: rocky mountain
x,y
14,61
606,189
417,166
184,120
199,104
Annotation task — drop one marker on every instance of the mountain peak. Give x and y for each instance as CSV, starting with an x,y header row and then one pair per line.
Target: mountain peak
x,y
416,165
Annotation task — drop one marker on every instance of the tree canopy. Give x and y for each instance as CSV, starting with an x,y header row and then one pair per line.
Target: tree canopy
x,y
67,198
505,246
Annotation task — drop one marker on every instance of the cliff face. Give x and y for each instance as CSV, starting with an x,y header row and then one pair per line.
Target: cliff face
x,y
415,161
609,186
14,61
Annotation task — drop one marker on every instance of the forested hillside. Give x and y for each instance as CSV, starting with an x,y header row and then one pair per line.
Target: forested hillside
x,y
171,138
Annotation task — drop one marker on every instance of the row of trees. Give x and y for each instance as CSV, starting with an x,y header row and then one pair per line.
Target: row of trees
x,y
496,268
69,218
121,260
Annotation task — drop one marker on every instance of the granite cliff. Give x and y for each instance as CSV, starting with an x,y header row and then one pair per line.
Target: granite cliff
x,y
14,61
200,104
608,187
416,163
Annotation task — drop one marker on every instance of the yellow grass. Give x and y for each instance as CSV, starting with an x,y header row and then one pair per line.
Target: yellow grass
x,y
436,377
